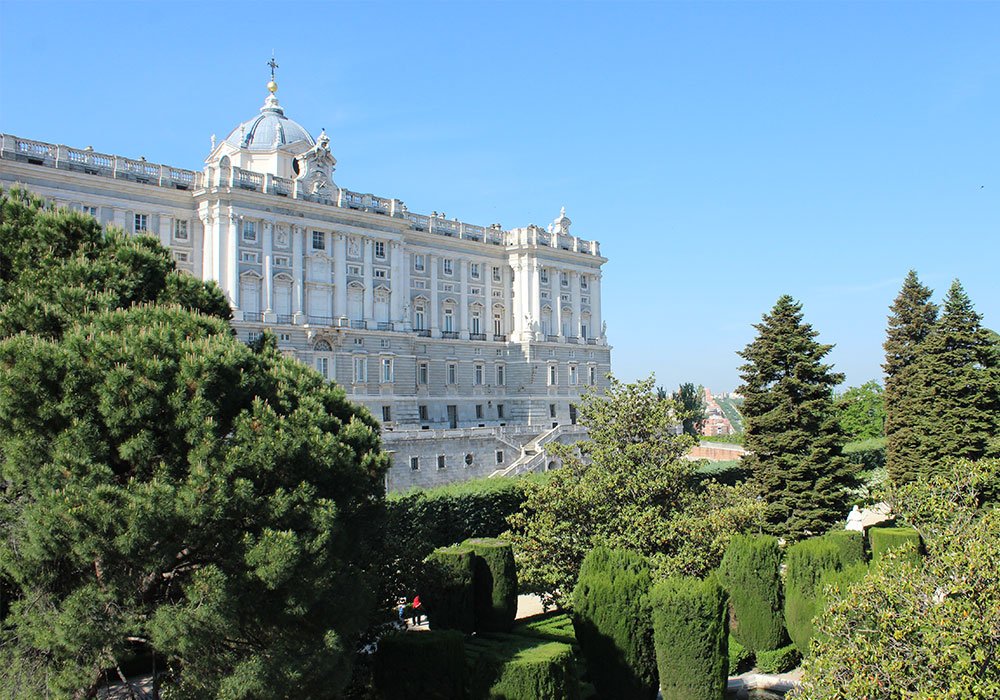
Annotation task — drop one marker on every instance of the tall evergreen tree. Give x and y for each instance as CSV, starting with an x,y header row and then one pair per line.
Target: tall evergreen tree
x,y
959,413
791,425
912,319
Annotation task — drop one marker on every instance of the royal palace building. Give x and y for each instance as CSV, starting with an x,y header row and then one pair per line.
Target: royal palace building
x,y
471,344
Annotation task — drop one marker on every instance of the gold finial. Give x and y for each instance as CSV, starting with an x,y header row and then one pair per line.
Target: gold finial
x,y
272,86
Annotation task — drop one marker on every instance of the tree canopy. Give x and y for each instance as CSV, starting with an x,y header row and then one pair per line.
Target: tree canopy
x,y
861,411
691,404
791,427
167,490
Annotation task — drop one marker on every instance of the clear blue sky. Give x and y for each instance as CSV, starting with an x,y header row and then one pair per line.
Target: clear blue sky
x,y
723,153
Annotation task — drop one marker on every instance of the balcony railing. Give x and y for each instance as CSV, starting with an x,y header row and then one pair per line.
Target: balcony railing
x,y
320,320
253,316
500,337
422,332
383,326
591,341
450,335
358,325
285,318
572,339
552,338
477,336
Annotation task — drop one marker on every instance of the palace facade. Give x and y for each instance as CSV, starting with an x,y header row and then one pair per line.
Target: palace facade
x,y
472,344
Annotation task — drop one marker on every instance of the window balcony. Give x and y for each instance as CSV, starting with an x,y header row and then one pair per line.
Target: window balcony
x,y
477,336
285,318
320,320
253,316
358,325
500,337
450,335
422,332
591,341
552,338
383,326
572,339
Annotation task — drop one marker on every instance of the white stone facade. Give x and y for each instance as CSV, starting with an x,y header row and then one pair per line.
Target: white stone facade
x,y
472,332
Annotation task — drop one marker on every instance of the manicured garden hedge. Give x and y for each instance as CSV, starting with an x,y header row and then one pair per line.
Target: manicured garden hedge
x,y
778,660
751,572
611,616
690,627
494,584
420,665
446,588
806,562
869,454
851,544
739,657
905,540
513,667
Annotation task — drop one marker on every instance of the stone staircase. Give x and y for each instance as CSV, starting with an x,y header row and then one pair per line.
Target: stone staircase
x,y
533,453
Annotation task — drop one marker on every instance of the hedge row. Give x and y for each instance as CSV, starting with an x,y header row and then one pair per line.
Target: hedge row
x,y
868,454
905,540
851,544
511,667
690,629
751,572
612,619
778,660
806,563
494,584
417,666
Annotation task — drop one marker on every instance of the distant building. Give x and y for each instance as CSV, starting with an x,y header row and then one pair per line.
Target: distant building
x,y
470,343
715,422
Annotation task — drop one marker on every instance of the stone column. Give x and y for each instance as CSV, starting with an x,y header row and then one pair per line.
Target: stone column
x,y
487,273
298,273
369,300
232,283
508,303
395,283
268,249
574,295
463,299
535,296
339,276
435,328
165,222
595,307
556,282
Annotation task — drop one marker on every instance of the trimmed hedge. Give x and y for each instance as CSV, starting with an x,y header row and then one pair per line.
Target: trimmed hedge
x,y
420,665
806,562
515,667
868,454
553,627
494,585
739,657
883,539
778,660
446,589
611,616
690,621
751,572
851,544
835,583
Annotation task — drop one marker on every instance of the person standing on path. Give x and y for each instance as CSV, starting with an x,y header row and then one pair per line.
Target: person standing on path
x,y
417,610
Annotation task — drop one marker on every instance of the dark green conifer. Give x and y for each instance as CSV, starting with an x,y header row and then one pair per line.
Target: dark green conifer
x,y
912,319
791,425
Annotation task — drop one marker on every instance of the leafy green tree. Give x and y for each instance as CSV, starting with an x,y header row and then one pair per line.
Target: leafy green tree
x,y
625,487
166,490
791,426
921,631
959,413
861,411
691,404
912,319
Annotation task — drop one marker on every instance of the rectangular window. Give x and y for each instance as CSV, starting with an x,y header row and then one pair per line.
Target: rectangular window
x,y
380,249
253,336
250,231
478,375
381,273
499,456
583,282
386,370
414,463
180,229
360,370
449,266
323,366
422,372
248,257
476,291
553,377
543,275
552,410
180,256
418,262
500,411
496,274
281,261
474,270
593,376
319,240
479,411
501,375
449,321
441,462
354,270
383,343
419,318
284,337
452,373
359,341
423,412
572,375
141,223
386,414
564,281
92,211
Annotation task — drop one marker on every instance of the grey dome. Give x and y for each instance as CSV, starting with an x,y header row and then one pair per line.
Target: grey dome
x,y
269,130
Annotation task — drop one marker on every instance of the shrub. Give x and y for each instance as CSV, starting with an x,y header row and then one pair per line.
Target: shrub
x,y
446,590
868,454
834,584
739,657
751,572
851,544
690,621
554,627
611,616
513,668
420,665
494,585
806,562
883,539
778,660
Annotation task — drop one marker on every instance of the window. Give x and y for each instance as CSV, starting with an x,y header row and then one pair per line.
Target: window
x,y
449,266
593,376
419,284
284,337
422,412
583,330
281,261
141,223
418,262
386,370
383,342
380,249
477,374
422,372
452,373
499,456
386,414
496,274
360,370
479,411
476,291
447,287
449,320
253,336
497,324
381,273
92,211
501,375
180,228
572,375
500,410
474,270
414,463
248,257
477,322
250,231
319,240
552,410
323,366
419,319
441,464
543,275
553,377
181,256
583,282
564,281
359,341
468,459
354,270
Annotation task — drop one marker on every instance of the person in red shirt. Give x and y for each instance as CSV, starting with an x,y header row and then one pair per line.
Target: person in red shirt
x,y
418,610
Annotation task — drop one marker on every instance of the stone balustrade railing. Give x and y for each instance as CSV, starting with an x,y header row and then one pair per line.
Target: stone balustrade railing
x,y
107,165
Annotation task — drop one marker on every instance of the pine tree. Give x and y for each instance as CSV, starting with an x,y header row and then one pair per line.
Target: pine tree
x,y
913,317
791,425
957,370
